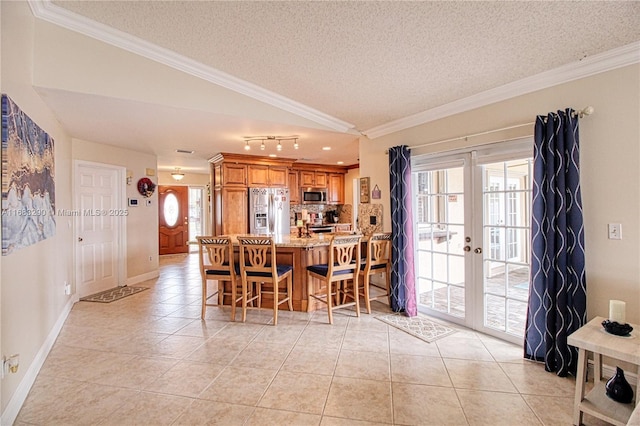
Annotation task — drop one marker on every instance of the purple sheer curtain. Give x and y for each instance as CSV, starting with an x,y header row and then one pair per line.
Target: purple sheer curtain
x,y
403,287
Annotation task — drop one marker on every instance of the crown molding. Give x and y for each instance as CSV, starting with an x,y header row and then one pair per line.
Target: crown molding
x,y
47,11
602,62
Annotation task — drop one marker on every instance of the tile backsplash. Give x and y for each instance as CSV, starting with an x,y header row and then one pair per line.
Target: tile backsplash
x,y
342,210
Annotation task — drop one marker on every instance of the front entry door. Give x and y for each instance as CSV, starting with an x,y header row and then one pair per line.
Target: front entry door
x,y
174,219
100,220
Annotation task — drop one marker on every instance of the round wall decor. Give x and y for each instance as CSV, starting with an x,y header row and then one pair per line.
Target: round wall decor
x,y
146,187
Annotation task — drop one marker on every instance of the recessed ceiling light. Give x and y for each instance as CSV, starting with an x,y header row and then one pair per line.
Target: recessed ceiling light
x,y
326,148
272,155
340,162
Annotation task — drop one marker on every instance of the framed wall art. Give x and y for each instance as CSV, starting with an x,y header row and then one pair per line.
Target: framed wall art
x,y
28,180
364,190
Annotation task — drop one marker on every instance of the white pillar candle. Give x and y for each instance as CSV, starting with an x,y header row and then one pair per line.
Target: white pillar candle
x,y
617,311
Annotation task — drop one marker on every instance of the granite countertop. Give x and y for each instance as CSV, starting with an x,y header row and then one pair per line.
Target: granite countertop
x,y
287,240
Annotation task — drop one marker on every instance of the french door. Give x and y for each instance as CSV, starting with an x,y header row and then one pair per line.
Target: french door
x,y
472,246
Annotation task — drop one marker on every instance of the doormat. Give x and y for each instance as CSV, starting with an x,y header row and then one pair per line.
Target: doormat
x,y
113,294
419,326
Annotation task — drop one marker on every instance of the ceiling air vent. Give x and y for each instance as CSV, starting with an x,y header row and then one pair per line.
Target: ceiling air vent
x,y
184,151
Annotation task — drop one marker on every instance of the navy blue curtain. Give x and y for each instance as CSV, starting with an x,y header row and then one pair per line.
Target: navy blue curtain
x,y
557,294
403,288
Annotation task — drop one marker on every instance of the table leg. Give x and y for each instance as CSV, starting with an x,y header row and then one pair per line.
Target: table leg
x,y
597,368
637,384
581,374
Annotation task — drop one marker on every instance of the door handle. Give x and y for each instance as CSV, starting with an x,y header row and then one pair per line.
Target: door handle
x,y
79,239
478,250
466,248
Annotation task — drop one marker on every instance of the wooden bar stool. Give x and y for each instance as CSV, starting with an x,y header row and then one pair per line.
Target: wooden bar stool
x,y
377,260
343,265
258,266
216,263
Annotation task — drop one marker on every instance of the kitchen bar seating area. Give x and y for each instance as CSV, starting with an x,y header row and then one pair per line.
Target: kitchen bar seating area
x,y
301,274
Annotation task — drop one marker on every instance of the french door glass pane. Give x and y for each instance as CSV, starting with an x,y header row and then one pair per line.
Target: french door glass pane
x,y
506,194
196,200
440,228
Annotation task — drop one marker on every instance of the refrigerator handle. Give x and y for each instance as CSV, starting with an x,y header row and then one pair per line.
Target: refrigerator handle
x,y
272,214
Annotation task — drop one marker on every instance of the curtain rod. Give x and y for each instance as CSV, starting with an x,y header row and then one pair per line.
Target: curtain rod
x,y
581,113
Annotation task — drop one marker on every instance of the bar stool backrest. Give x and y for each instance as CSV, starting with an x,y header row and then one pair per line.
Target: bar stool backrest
x,y
378,251
257,255
344,255
216,256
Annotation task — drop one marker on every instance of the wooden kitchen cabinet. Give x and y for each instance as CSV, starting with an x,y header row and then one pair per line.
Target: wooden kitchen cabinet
x,y
261,175
231,211
313,179
230,175
278,176
335,194
294,188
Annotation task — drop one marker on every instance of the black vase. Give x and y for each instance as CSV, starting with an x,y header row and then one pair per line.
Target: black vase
x,y
618,389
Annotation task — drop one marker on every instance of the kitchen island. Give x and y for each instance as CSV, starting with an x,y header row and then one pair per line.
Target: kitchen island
x,y
300,253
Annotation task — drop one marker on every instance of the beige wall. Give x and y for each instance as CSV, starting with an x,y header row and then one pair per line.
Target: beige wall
x,y
32,281
348,184
610,152
142,221
193,179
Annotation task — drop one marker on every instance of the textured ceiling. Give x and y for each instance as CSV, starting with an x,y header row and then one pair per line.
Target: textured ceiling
x,y
369,63
350,63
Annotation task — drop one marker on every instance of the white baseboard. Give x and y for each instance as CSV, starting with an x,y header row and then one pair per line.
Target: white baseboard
x,y
15,403
143,277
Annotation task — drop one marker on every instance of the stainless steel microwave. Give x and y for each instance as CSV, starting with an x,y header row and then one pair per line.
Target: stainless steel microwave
x,y
313,195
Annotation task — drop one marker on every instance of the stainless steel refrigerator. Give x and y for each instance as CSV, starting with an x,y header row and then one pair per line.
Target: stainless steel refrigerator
x,y
269,211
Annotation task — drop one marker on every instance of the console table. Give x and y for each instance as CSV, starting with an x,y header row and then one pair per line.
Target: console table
x,y
593,338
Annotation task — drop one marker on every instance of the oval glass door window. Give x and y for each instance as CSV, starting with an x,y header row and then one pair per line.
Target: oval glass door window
x,y
171,209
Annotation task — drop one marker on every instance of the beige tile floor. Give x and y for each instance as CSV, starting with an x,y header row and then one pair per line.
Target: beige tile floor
x,y
148,359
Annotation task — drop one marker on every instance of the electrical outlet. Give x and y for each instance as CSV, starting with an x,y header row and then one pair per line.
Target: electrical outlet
x,y
67,288
615,231
150,259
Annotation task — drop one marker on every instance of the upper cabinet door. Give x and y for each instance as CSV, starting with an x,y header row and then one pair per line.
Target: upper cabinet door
x,y
294,189
234,175
321,180
313,179
307,178
278,176
258,175
336,188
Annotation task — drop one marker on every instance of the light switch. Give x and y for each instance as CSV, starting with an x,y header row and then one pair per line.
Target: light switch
x,y
615,231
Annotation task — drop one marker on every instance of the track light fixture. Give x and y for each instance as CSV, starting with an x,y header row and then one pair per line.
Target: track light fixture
x,y
263,139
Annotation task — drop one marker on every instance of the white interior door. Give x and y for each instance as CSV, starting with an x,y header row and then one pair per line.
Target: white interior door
x,y
99,218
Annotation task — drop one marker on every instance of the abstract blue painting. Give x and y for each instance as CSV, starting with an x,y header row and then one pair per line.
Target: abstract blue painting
x,y
28,184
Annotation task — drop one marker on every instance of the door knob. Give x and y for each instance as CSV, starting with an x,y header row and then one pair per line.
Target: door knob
x,y
478,250
80,239
466,248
